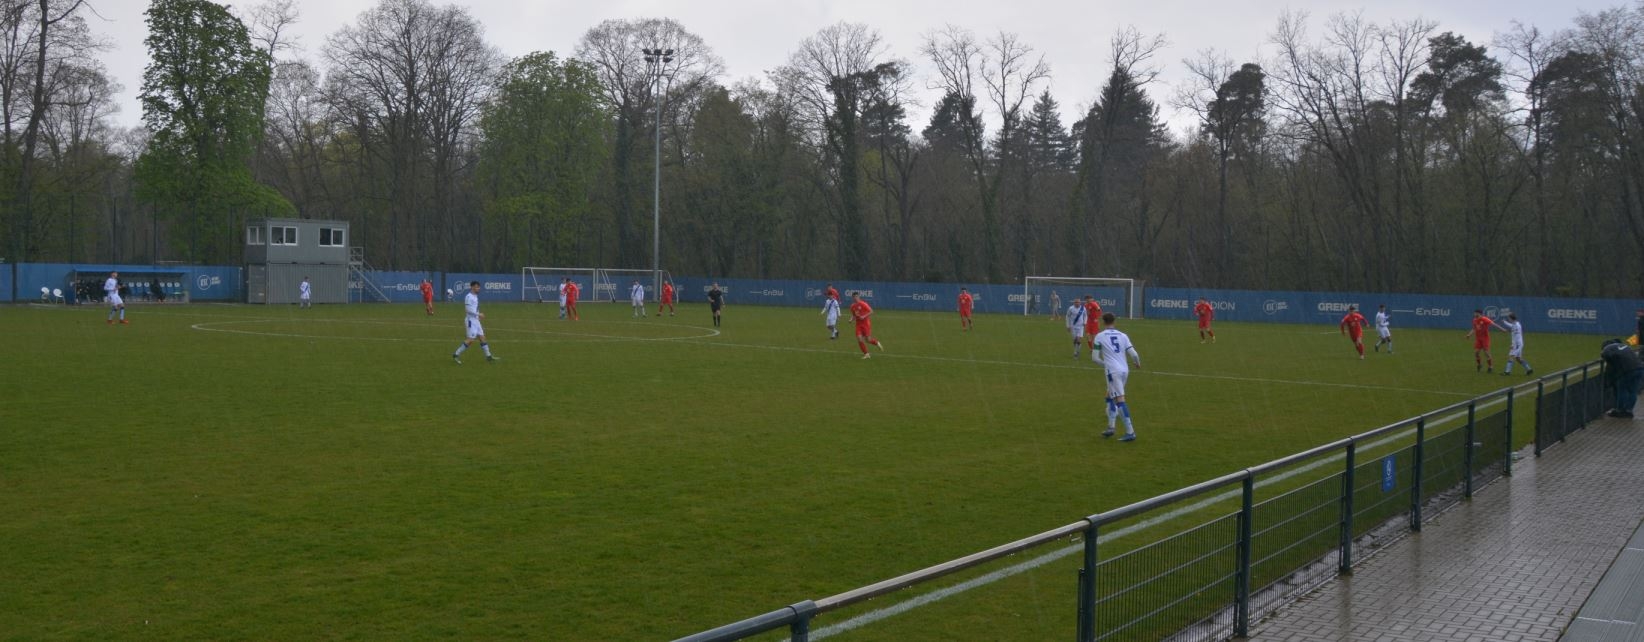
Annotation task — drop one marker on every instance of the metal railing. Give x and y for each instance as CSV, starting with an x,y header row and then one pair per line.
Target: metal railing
x,y
1248,541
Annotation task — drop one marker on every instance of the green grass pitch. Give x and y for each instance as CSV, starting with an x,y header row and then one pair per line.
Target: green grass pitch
x,y
223,471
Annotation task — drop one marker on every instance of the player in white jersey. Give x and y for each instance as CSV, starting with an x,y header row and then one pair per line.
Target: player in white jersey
x,y
305,292
636,295
830,310
111,291
1076,325
562,297
1114,352
1516,352
472,324
1384,332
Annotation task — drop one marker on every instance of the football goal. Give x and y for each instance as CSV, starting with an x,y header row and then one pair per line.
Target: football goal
x,y
541,284
1051,295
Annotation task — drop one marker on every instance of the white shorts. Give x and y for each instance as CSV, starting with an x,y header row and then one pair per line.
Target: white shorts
x,y
475,330
1116,384
833,319
1517,350
1077,331
1384,332
114,299
639,303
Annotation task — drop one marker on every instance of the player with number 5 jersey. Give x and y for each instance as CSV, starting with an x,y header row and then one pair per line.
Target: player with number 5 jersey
x,y
1114,351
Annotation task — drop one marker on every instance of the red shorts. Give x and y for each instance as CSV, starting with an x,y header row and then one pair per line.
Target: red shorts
x,y
667,300
1355,335
1481,344
864,328
1091,329
964,313
1204,324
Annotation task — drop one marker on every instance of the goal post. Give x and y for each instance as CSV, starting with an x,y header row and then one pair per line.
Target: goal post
x,y
541,284
599,285
1050,295
612,284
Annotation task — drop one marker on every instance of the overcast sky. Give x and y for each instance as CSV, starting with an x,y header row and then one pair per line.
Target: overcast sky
x,y
753,36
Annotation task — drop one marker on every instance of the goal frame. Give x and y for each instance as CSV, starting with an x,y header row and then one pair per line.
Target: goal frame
x,y
1132,287
547,291
603,285
613,282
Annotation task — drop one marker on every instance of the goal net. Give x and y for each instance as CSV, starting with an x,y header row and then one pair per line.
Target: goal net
x,y
614,285
1051,295
541,284
598,285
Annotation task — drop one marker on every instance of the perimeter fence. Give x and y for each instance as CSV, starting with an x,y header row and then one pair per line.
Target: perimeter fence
x,y
1203,562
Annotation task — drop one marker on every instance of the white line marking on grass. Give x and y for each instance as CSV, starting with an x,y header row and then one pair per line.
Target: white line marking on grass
x,y
211,326
1028,565
1026,364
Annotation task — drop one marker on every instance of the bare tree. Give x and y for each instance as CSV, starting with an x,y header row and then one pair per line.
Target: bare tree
x,y
409,78
829,77
1009,72
616,51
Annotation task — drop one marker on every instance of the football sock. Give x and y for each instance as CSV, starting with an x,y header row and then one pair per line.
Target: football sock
x,y
122,314
1112,413
460,349
1508,368
486,347
1124,409
111,314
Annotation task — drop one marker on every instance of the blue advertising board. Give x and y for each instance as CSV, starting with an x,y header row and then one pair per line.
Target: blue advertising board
x,y
1539,314
885,295
213,283
1613,317
493,287
399,287
200,282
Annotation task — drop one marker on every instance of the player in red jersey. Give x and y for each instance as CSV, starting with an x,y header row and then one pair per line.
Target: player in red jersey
x,y
965,305
667,299
1205,314
1352,325
830,292
1480,334
861,313
1093,322
428,297
571,292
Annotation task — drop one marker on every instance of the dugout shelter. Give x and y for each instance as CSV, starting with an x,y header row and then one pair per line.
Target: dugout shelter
x,y
279,252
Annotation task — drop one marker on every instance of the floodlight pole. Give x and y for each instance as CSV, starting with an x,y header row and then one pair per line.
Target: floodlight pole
x,y
657,59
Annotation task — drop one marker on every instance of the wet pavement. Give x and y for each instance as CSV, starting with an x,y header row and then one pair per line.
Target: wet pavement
x,y
1515,563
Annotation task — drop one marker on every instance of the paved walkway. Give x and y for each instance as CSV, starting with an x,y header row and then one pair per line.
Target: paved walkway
x,y
1515,563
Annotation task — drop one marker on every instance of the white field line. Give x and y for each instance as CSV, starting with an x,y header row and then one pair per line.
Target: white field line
x,y
983,580
1026,364
212,326
1021,567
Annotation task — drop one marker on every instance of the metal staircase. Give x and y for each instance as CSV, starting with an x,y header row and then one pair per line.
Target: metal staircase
x,y
360,272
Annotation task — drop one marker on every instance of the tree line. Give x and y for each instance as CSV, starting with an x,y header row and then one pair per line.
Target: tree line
x,y
1354,155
